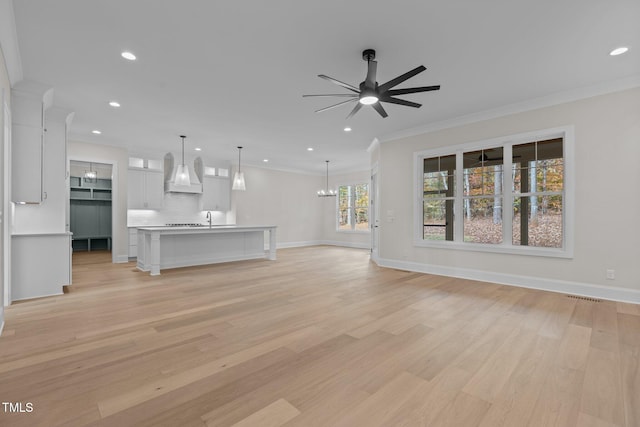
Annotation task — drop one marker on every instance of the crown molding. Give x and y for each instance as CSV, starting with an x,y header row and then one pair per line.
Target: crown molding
x,y
532,104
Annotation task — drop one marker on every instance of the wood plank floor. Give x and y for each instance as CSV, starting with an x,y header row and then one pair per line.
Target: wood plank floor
x,y
320,337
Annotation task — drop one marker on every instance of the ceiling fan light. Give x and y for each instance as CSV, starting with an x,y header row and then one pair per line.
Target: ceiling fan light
x,y
368,100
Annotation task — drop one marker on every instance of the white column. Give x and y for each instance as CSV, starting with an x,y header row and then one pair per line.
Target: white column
x,y
155,253
272,244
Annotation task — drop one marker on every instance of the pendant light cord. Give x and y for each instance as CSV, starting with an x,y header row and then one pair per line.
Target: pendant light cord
x,y
239,157
183,137
327,175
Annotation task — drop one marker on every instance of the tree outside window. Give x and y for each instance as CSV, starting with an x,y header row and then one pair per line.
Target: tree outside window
x,y
353,207
506,195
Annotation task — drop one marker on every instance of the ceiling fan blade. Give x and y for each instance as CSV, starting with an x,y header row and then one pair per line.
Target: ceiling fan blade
x,y
400,102
339,83
334,105
379,109
348,95
395,92
355,110
370,81
395,82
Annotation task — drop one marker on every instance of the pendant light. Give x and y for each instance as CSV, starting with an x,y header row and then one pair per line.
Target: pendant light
x,y
238,177
327,192
182,172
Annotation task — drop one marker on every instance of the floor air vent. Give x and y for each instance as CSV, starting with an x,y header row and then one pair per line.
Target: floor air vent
x,y
584,298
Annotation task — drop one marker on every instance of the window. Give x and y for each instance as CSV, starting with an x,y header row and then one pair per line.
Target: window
x,y
353,207
503,195
438,197
538,180
482,198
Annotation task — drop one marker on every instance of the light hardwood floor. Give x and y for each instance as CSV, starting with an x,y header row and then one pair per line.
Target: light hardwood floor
x,y
320,337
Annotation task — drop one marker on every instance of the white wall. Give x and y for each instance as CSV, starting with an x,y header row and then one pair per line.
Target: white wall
x,y
5,96
330,234
607,152
119,158
287,200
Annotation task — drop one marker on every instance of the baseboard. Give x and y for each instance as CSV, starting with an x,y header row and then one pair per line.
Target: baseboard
x,y
120,259
286,245
346,244
560,286
302,244
37,297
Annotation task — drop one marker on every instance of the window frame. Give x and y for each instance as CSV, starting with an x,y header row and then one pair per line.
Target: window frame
x,y
506,142
337,211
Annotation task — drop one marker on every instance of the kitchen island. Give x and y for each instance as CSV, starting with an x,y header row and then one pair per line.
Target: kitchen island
x,y
170,247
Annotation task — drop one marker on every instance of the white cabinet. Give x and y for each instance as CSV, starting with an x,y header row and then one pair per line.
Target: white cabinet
x,y
133,242
50,253
29,101
216,194
145,189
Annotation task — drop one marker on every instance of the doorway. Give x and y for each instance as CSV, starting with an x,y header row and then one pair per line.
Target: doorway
x,y
374,214
5,209
90,205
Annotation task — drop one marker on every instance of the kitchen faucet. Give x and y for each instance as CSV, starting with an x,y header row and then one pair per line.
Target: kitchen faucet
x,y
209,218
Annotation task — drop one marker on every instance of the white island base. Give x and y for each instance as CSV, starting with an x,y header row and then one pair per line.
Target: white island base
x,y
170,247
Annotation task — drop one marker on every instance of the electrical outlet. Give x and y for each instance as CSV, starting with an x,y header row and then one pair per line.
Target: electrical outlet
x,y
611,274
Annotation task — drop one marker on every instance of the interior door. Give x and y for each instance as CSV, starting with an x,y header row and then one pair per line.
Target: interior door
x,y
5,212
374,209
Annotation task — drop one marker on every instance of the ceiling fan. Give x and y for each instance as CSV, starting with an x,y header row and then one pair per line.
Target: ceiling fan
x,y
371,93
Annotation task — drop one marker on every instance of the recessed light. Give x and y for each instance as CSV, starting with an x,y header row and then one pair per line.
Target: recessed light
x,y
96,131
266,160
114,104
618,51
128,55
347,129
310,149
198,149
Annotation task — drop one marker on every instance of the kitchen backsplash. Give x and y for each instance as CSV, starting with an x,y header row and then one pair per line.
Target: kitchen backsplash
x,y
177,208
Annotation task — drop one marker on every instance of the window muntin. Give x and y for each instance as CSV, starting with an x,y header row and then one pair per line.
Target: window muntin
x,y
353,207
438,194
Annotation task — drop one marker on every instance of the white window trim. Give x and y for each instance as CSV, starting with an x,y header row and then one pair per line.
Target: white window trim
x,y
337,210
507,142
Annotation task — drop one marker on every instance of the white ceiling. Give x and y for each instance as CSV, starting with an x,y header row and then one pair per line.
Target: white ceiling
x,y
233,73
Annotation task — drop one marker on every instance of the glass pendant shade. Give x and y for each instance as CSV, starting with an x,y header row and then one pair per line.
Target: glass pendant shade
x,y
238,181
182,175
182,172
238,177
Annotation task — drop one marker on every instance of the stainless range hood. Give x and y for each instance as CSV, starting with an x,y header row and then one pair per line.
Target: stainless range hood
x,y
170,171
